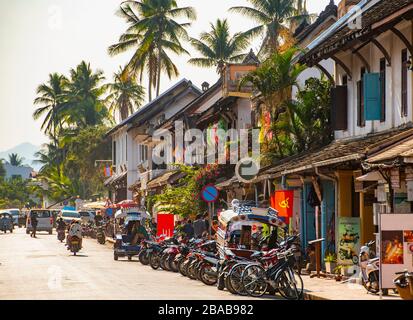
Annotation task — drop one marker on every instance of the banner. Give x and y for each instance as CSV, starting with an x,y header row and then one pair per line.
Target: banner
x,y
108,171
283,202
348,240
165,225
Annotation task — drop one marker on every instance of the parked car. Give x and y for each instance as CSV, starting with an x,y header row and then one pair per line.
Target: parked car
x,y
68,216
86,216
44,220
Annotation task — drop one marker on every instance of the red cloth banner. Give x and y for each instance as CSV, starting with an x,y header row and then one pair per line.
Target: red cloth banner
x,y
165,225
283,202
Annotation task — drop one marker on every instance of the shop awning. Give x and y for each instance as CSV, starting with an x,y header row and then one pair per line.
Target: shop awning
x,y
371,176
161,180
337,152
115,178
401,149
226,184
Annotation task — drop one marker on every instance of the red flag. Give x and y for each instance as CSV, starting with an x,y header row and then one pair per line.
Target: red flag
x,y
283,202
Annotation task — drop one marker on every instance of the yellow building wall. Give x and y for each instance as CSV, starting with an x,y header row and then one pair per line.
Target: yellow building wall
x,y
344,193
366,221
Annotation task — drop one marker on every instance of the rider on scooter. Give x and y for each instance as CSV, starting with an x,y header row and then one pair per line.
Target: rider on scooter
x,y
75,230
60,224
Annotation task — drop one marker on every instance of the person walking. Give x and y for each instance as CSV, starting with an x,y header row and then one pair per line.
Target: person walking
x,y
188,229
34,221
199,226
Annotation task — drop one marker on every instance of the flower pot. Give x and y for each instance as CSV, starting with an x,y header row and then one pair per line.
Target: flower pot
x,y
330,266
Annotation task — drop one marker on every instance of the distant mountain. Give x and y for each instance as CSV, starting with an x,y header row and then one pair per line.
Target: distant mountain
x,y
25,150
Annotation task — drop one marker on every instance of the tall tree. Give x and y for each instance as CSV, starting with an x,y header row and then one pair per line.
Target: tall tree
x,y
2,170
218,47
125,94
15,159
154,33
84,105
272,17
50,97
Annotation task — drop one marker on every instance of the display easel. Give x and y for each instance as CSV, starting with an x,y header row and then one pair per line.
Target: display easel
x,y
317,245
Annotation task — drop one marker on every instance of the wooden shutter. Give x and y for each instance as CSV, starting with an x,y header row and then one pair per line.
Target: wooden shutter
x,y
404,83
339,107
372,96
383,88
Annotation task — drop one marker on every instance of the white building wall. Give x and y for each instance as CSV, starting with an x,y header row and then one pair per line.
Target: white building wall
x,y
372,54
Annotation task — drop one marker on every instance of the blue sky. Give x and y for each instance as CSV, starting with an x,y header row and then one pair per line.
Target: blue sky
x,y
38,37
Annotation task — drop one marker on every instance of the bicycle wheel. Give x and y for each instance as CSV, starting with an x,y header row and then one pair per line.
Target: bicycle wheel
x,y
235,279
290,284
254,280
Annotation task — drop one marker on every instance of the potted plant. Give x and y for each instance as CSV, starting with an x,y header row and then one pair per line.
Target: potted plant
x,y
330,262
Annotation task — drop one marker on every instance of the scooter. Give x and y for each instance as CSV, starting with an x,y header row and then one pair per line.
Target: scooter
x,y
74,245
100,234
404,284
370,268
61,234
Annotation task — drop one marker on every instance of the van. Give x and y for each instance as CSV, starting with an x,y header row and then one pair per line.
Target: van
x,y
44,220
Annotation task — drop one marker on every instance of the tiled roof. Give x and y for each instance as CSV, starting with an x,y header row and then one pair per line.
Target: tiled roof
x,y
339,35
337,152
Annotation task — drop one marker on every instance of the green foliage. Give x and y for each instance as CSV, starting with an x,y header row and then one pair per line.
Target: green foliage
x,y
14,193
218,47
183,199
273,22
2,170
125,94
330,257
153,32
15,159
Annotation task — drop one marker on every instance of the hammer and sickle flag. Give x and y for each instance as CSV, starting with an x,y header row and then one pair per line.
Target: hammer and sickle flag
x,y
283,202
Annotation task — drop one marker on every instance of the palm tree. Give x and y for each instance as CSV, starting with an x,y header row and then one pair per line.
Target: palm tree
x,y
218,47
50,97
125,95
84,106
15,160
154,32
274,80
272,17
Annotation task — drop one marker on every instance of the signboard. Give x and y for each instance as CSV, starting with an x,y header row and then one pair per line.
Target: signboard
x,y
396,240
209,193
348,240
283,202
165,225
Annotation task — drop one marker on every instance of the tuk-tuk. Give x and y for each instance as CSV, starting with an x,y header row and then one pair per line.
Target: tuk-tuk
x,y
238,225
123,239
6,222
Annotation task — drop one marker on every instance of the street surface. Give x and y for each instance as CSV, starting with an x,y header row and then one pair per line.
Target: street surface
x,y
42,268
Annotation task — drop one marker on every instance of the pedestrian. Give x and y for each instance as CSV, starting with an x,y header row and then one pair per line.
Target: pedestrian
x,y
34,221
188,229
199,226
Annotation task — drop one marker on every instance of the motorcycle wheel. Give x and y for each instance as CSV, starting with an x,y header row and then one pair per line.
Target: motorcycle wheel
x,y
373,286
198,270
254,280
164,262
191,270
115,256
154,261
235,279
182,267
143,258
173,264
205,275
290,285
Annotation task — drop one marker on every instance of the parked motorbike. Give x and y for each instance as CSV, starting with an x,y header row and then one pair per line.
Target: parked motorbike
x,y
370,268
404,284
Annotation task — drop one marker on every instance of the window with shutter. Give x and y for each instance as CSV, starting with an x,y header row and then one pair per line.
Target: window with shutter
x,y
339,107
372,96
404,83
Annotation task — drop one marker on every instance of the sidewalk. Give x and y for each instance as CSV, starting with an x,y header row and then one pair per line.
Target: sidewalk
x,y
330,289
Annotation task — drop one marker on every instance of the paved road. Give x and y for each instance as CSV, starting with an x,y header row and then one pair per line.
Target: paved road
x,y
42,268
